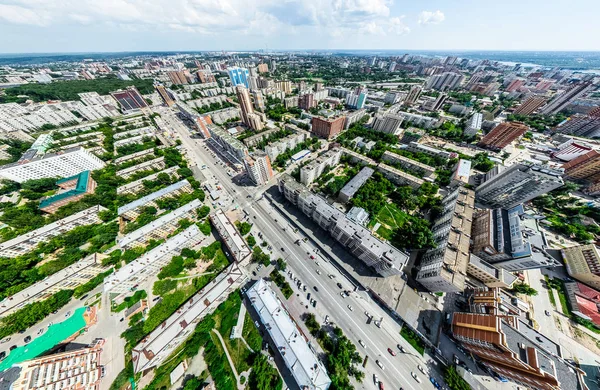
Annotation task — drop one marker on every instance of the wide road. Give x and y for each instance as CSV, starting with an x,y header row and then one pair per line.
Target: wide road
x,y
397,369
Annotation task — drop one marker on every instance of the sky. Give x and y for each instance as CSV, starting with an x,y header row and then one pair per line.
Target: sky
x,y
47,26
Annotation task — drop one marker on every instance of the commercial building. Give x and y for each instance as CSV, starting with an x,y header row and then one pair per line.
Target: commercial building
x,y
127,279
78,369
474,124
388,123
515,351
157,163
238,76
160,228
587,125
327,127
382,257
300,358
561,101
507,187
354,184
311,171
502,135
444,268
259,168
445,81
410,164
583,264
68,278
530,105
200,122
29,241
488,274
168,336
62,164
131,211
399,177
72,189
130,100
570,150
232,239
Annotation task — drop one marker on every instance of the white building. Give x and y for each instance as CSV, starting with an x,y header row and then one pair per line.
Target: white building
x,y
232,239
389,124
299,357
63,164
315,168
259,168
474,124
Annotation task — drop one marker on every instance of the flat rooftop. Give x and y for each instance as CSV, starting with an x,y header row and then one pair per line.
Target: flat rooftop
x,y
234,241
153,196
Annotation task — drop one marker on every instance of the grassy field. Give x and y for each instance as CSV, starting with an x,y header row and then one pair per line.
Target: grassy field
x,y
390,217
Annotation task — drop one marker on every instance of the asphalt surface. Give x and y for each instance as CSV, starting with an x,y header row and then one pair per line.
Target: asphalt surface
x,y
397,369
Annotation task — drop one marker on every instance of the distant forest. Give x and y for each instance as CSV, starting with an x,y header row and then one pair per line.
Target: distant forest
x,y
68,90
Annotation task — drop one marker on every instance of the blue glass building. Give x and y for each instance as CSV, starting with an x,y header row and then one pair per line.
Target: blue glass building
x,y
239,76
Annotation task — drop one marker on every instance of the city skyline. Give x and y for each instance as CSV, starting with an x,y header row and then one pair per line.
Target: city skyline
x,y
184,25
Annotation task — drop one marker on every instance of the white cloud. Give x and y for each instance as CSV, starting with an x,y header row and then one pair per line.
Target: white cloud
x,y
397,26
429,17
371,28
23,15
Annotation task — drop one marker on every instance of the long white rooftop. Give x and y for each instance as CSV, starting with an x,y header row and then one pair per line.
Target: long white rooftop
x,y
153,196
229,234
299,357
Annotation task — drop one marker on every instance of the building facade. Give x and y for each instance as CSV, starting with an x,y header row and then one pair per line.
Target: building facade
x,y
502,135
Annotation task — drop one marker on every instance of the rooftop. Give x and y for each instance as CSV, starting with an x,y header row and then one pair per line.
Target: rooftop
x,y
234,241
81,187
153,196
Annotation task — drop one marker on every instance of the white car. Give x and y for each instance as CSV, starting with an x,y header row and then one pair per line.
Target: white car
x,y
350,308
379,364
362,343
318,272
415,377
421,369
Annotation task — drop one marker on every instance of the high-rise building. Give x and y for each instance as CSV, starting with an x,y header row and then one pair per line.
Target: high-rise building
x,y
515,85
507,187
307,101
285,86
318,87
413,95
178,77
205,76
530,105
389,123
255,121
515,351
585,167
239,76
583,264
245,103
263,68
474,124
444,268
561,101
129,99
582,125
327,127
259,168
502,135
165,95
357,99
273,65
439,102
259,101
444,81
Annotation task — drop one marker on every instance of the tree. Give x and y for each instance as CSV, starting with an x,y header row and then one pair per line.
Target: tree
x,y
251,240
263,375
454,380
525,289
281,264
203,211
414,233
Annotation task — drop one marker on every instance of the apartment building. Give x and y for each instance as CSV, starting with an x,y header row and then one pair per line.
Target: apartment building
x,y
488,274
62,164
131,211
327,127
399,177
258,168
507,187
583,264
232,239
426,122
354,184
72,189
160,228
311,171
474,124
78,369
276,148
29,241
226,144
388,123
503,135
513,350
416,147
585,167
562,100
354,117
123,282
581,125
444,268
445,81
30,118
358,158
170,334
68,278
136,186
413,165
157,163
530,105
382,257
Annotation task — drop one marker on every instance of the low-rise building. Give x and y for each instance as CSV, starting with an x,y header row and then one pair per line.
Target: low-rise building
x,y
136,186
168,336
462,173
299,357
131,211
232,239
354,184
311,171
157,163
583,264
29,241
160,228
358,158
416,147
68,278
408,163
444,268
488,274
399,177
72,189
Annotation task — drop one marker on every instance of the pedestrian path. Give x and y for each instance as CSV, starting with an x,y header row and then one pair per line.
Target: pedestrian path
x,y
229,359
238,329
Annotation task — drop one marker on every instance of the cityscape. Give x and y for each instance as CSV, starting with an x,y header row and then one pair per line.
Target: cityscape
x,y
300,219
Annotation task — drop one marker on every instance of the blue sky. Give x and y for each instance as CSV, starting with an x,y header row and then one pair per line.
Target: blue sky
x,y
140,25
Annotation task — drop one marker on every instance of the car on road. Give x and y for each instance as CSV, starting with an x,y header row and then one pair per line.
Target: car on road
x,y
380,385
401,348
282,249
13,348
27,339
420,367
339,285
362,343
392,352
315,303
455,359
350,308
378,324
6,340
434,382
415,377
343,295
308,296
375,379
379,364
68,314
315,288
547,313
318,272
41,331
83,297
312,257
2,355
326,318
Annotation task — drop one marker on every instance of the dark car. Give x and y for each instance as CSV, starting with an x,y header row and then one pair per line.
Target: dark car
x,y
339,285
315,288
13,347
2,355
315,303
27,339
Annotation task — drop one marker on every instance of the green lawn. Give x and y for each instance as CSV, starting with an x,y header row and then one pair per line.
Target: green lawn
x,y
549,290
413,339
391,216
251,334
384,232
